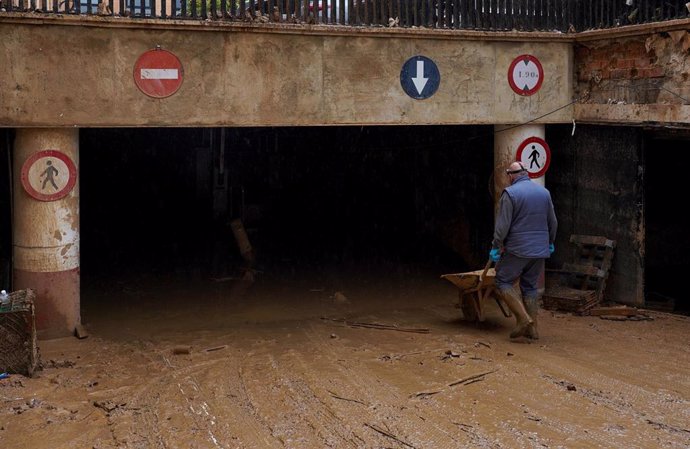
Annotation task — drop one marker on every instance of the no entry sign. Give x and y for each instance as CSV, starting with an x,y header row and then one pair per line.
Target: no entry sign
x,y
525,75
49,175
535,155
158,73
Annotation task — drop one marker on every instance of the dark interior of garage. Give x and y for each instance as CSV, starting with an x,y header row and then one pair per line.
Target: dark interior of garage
x,y
667,246
327,203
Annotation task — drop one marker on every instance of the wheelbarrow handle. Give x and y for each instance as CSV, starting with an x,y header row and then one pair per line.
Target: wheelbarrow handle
x,y
486,269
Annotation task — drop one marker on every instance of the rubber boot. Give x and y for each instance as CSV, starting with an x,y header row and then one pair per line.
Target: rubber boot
x,y
513,300
532,307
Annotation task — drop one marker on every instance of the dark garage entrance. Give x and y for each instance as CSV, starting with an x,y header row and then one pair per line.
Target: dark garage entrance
x,y
327,204
667,246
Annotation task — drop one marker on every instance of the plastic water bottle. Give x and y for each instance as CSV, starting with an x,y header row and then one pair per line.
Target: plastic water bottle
x,y
4,299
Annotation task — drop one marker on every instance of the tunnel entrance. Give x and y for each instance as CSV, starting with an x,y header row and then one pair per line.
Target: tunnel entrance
x,y
327,204
667,247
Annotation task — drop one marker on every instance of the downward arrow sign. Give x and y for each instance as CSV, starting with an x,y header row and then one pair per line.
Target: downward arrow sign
x,y
419,80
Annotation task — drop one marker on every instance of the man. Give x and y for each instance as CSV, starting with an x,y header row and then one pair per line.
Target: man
x,y
523,238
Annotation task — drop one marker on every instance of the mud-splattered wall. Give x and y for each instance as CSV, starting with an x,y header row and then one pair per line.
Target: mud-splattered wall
x,y
81,74
634,79
596,182
642,69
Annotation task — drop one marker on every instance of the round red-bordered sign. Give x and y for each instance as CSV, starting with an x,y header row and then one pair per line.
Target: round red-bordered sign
x,y
49,175
525,75
158,73
535,155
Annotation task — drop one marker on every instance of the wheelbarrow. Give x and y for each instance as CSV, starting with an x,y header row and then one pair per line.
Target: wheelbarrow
x,y
475,288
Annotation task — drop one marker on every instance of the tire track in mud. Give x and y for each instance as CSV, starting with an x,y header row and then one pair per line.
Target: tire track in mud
x,y
577,400
360,396
626,403
299,417
191,412
309,390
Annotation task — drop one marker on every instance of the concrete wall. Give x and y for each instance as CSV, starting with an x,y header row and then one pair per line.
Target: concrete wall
x,y
57,74
596,182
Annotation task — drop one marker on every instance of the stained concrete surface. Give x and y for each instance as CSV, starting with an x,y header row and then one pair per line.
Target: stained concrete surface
x,y
282,376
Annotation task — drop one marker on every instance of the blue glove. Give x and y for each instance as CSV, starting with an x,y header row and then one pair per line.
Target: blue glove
x,y
551,248
495,254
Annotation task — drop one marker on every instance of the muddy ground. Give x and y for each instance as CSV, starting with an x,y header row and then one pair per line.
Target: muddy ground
x,y
266,370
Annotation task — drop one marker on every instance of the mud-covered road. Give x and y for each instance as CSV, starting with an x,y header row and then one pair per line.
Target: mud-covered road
x,y
279,375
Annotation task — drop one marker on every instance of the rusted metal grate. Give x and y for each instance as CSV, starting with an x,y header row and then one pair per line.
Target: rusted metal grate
x,y
18,350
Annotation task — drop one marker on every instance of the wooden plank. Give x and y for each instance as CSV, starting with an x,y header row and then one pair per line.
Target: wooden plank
x,y
592,240
618,310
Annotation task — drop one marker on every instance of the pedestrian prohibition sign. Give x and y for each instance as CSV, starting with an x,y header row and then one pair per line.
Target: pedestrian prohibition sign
x,y
525,75
49,175
158,73
419,77
535,155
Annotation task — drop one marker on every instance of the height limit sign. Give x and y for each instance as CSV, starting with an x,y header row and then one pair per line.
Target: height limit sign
x,y
525,75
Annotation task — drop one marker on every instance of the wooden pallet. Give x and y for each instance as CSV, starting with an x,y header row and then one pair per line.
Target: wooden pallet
x,y
580,285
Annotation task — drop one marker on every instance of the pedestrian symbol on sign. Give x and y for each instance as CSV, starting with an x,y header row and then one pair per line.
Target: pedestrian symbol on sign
x,y
49,173
534,154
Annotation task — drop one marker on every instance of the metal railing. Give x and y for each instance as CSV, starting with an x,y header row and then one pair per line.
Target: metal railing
x,y
488,15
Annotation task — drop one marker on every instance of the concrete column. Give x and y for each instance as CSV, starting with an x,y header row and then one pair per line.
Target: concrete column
x,y
46,236
506,142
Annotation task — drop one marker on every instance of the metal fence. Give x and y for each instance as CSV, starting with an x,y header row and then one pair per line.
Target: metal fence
x,y
489,15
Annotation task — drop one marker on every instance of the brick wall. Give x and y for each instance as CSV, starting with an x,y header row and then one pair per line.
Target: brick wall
x,y
652,69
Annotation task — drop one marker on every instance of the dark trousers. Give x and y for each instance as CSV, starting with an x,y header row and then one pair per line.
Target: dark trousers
x,y
512,267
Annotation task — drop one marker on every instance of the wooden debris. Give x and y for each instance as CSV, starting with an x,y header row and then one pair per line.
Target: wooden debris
x,y
617,310
182,349
345,399
387,357
425,394
389,435
639,317
80,332
216,348
613,317
466,380
379,326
